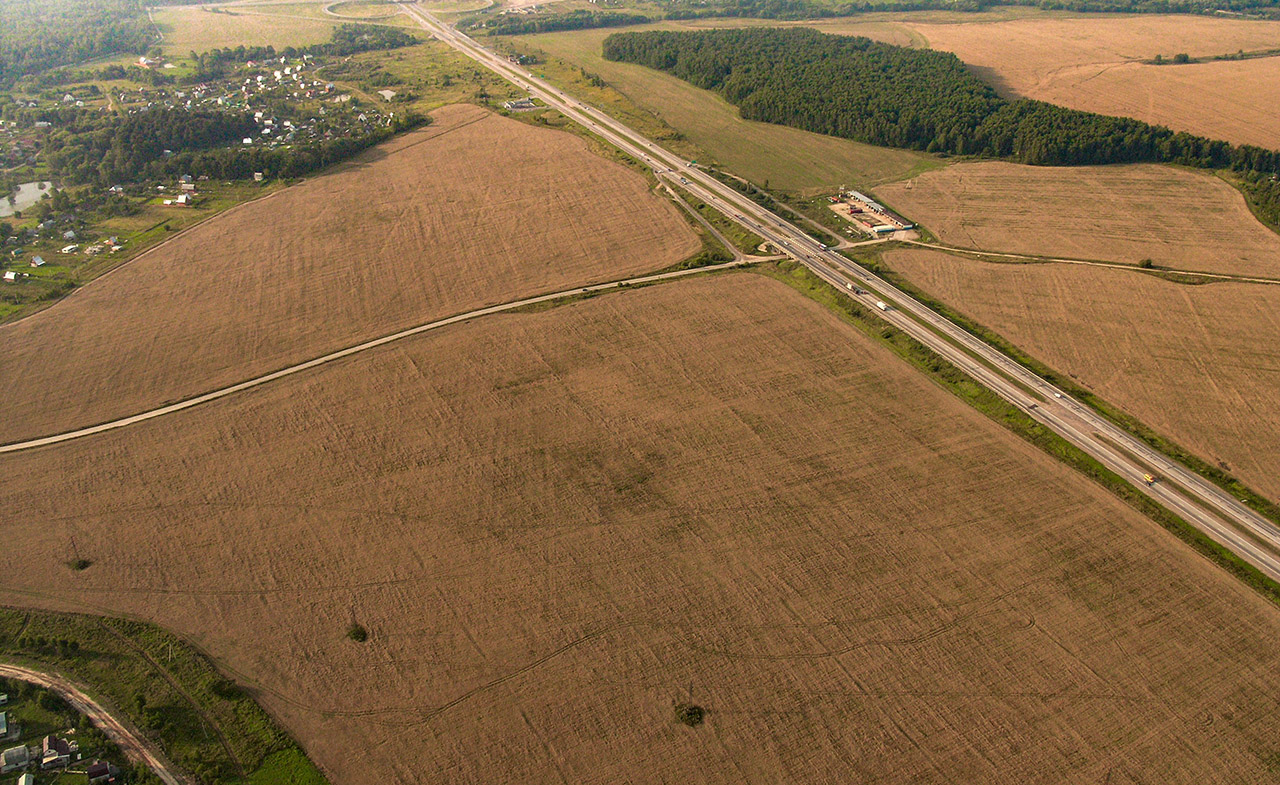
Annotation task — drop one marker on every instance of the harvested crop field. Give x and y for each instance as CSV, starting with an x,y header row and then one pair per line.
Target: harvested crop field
x,y
1234,101
472,211
1200,364
555,525
1177,218
1095,63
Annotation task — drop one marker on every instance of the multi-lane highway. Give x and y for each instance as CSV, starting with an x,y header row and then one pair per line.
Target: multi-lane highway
x,y
1196,500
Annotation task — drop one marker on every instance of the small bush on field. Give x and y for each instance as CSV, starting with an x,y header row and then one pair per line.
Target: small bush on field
x,y
689,714
357,633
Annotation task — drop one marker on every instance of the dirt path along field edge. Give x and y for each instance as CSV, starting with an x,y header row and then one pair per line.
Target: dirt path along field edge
x,y
131,743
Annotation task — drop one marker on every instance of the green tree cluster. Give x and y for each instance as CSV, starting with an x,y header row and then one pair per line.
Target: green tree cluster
x,y
918,99
36,35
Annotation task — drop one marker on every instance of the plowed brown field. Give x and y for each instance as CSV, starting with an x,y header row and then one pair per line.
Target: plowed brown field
x,y
1094,63
1177,218
472,211
1200,364
556,524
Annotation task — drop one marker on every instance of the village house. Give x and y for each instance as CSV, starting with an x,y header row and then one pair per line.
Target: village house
x,y
56,752
14,758
101,771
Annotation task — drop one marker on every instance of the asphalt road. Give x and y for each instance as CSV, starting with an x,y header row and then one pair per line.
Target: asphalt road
x,y
132,745
1204,505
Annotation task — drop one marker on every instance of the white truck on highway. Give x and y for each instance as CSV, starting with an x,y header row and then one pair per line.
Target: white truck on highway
x,y
881,305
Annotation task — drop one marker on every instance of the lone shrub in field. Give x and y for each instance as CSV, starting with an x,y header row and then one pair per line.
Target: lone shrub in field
x,y
357,633
690,714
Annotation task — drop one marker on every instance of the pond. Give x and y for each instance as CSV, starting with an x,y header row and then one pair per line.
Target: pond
x,y
26,195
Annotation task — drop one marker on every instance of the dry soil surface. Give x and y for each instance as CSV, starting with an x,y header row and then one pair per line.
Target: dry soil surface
x,y
472,211
1177,218
1095,64
1200,364
555,525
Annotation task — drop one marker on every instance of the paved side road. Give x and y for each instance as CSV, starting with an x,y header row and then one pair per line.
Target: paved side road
x,y
133,745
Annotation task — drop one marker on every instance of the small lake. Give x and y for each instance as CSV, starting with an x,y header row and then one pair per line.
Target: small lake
x,y
27,195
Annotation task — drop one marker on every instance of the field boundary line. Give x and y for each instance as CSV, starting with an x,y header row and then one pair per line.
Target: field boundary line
x,y
1155,271
349,351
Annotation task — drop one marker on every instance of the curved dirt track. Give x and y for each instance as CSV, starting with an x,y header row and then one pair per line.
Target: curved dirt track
x,y
132,744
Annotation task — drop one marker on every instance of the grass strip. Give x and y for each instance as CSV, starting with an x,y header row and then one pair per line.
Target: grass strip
x,y
743,240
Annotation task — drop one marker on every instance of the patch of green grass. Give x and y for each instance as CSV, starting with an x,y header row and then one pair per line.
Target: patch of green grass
x,y
204,723
743,240
286,767
433,74
774,156
1011,417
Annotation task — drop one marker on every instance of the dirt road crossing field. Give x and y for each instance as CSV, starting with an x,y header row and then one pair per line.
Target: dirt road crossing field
x,y
472,211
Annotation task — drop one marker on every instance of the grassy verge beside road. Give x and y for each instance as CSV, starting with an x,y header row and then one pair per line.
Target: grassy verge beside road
x,y
984,400
203,722
743,240
1219,477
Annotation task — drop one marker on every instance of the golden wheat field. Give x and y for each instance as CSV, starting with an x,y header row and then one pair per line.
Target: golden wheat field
x,y
556,525
1200,364
472,211
1095,63
1178,218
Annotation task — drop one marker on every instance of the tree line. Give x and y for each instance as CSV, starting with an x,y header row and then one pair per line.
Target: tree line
x,y
346,39
824,9
97,148
513,24
918,99
36,35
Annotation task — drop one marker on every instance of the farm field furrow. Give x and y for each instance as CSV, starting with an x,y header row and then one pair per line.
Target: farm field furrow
x,y
1199,364
474,210
786,158
555,525
1178,218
